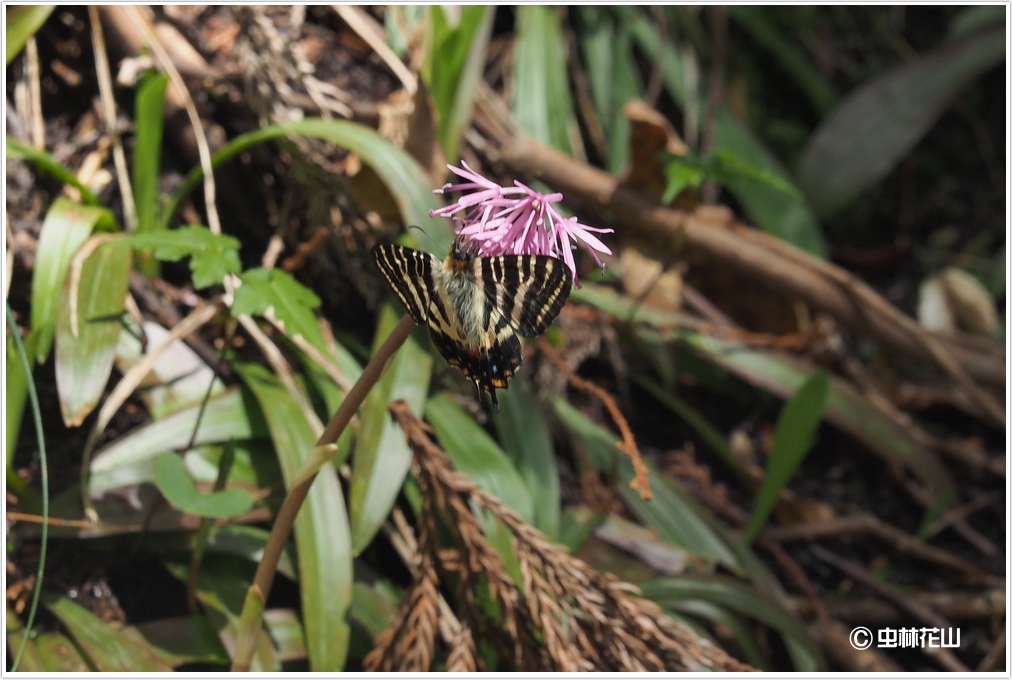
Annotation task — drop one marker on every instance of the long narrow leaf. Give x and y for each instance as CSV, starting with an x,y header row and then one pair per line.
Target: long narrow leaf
x,y
84,355
399,172
21,24
541,103
149,113
66,227
322,534
875,127
17,149
793,439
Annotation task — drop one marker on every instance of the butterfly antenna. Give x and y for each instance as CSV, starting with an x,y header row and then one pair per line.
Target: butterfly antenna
x,y
437,247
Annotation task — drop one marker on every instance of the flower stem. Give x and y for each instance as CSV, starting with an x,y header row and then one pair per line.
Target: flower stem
x,y
285,520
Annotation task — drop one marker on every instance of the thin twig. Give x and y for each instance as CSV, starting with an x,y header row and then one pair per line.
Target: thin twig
x,y
285,520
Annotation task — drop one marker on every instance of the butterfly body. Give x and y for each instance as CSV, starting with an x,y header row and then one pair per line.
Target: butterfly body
x,y
478,308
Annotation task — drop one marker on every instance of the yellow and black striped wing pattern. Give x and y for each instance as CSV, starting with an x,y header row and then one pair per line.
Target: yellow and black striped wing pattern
x,y
477,307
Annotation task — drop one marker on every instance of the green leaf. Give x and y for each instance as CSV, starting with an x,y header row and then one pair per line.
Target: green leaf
x,y
212,256
108,648
476,455
22,23
175,483
382,457
524,433
792,441
20,150
877,125
66,227
222,584
453,68
84,359
542,108
43,652
149,116
291,303
322,534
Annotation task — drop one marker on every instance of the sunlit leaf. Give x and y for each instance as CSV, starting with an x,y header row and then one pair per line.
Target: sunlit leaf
x,y
66,227
213,256
149,114
477,455
228,417
453,68
322,534
84,358
21,23
291,302
541,104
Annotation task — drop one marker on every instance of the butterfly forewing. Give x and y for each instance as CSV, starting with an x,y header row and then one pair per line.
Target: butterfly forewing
x,y
410,273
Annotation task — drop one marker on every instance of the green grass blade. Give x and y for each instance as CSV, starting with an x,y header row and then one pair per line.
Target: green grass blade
x,y
541,105
402,175
27,152
525,437
795,434
149,116
475,454
33,399
453,68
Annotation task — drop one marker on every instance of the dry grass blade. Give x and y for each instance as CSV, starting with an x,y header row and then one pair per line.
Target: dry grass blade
x,y
565,616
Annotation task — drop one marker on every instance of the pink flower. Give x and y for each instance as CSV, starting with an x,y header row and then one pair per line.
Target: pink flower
x,y
517,220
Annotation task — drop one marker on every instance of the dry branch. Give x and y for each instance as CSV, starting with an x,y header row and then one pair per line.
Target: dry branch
x,y
790,272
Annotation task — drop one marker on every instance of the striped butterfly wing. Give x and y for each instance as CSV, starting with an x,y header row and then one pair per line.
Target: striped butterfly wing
x,y
409,273
524,292
477,327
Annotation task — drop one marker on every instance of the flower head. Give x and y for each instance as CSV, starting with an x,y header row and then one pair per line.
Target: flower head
x,y
517,220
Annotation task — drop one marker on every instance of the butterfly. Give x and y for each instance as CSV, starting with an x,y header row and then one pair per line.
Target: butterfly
x,y
478,308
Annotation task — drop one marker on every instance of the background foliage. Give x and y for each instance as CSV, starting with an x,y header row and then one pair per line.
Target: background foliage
x,y
175,344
